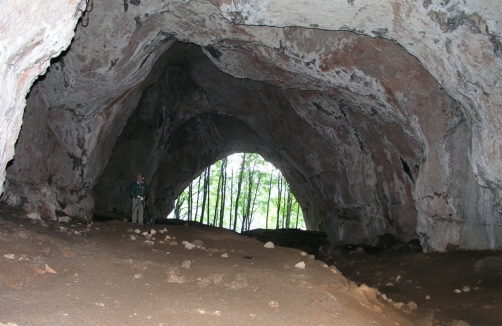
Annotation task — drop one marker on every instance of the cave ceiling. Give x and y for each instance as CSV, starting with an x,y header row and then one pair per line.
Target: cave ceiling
x,y
379,125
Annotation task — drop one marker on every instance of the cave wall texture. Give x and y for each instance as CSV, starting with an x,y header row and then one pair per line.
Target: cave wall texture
x,y
384,116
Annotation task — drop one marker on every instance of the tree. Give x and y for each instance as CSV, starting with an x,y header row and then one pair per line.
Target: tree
x,y
223,175
279,192
268,198
239,186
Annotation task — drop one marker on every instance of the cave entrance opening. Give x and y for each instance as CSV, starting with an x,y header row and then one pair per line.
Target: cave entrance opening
x,y
240,192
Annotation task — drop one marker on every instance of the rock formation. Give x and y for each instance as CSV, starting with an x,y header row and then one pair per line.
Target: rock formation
x,y
383,116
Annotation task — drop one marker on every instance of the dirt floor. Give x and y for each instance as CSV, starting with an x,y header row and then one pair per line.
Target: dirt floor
x,y
73,274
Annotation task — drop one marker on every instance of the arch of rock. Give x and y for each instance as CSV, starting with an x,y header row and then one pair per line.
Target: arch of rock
x,y
385,117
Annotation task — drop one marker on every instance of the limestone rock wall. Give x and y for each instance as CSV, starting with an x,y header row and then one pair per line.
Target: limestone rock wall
x,y
30,37
378,113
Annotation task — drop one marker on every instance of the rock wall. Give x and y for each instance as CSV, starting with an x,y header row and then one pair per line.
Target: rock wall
x,y
30,38
378,113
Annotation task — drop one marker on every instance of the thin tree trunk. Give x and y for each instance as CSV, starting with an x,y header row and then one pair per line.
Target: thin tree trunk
x,y
190,201
279,191
223,190
231,200
204,189
268,199
198,196
245,216
208,192
239,185
218,189
177,207
297,214
250,219
288,209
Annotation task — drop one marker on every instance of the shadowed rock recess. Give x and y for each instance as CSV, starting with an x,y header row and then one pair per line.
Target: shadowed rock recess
x,y
383,117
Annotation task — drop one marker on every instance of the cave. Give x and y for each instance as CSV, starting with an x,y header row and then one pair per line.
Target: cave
x,y
384,117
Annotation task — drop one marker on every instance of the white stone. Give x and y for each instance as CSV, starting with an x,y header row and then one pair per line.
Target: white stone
x,y
466,288
64,219
300,265
269,245
225,255
137,231
34,216
186,264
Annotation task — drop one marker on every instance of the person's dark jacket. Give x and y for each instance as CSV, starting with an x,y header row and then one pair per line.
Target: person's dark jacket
x,y
139,189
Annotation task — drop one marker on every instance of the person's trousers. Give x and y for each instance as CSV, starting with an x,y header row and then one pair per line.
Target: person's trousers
x,y
137,211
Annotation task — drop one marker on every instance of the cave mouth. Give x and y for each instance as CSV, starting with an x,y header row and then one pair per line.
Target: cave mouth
x,y
341,158
242,183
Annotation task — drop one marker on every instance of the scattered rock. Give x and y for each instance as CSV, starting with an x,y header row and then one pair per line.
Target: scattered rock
x,y
466,288
138,275
49,270
300,265
398,279
64,219
459,322
153,231
360,250
412,305
427,297
186,264
273,304
9,256
174,243
239,283
217,278
489,264
137,231
457,291
225,255
38,262
203,281
149,242
173,278
125,221
23,234
398,305
66,252
188,245
133,237
269,245
34,216
167,237
198,243
38,271
144,233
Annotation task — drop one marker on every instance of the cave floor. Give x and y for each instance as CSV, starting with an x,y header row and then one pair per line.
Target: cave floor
x,y
445,286
103,277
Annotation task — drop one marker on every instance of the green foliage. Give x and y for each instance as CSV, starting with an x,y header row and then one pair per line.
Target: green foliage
x,y
259,177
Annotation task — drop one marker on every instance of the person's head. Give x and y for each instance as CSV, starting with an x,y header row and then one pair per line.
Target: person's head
x,y
139,178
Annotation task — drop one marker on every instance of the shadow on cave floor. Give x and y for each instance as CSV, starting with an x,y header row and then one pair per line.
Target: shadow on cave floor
x,y
461,284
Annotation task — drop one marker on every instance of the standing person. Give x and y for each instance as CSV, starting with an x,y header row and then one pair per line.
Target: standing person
x,y
139,191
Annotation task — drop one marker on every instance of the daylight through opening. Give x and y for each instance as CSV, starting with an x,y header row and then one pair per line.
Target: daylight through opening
x,y
240,192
